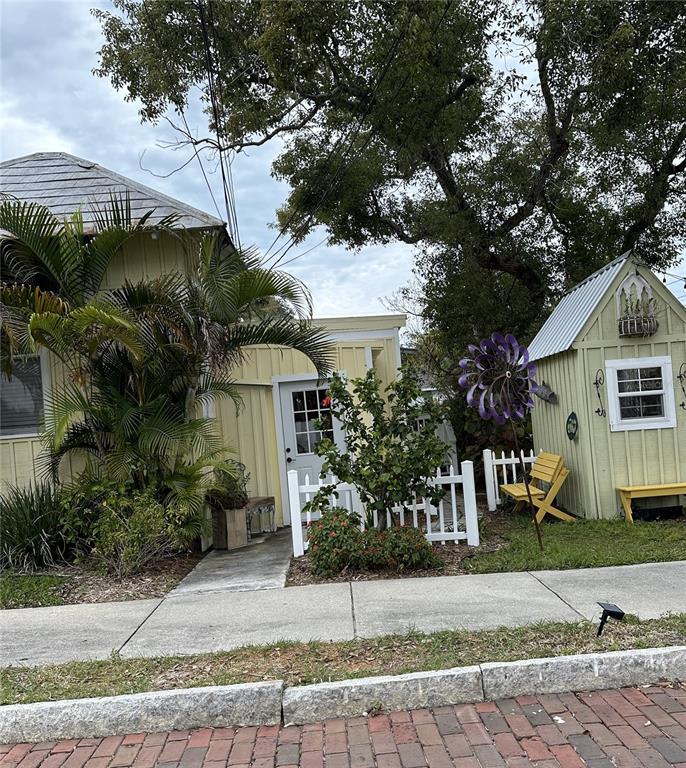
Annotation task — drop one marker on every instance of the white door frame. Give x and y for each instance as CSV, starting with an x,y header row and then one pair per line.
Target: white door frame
x,y
277,381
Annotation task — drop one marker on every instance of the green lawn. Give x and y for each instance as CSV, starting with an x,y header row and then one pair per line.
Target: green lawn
x,y
583,544
302,663
30,591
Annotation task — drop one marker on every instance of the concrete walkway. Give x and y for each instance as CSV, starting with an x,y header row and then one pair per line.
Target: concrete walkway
x,y
198,621
262,565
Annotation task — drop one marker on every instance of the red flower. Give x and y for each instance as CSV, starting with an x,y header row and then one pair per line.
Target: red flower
x,y
326,402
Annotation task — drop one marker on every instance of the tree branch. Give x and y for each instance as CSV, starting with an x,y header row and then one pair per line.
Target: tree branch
x,y
657,193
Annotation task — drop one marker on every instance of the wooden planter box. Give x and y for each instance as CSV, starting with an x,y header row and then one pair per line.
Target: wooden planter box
x,y
637,325
230,526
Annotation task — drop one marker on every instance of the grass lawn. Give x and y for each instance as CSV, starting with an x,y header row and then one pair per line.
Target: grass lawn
x,y
583,544
302,663
35,590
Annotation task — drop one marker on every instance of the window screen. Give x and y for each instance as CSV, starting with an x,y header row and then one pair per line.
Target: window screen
x,y
21,398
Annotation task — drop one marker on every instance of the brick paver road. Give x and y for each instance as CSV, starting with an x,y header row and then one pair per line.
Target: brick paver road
x,y
626,728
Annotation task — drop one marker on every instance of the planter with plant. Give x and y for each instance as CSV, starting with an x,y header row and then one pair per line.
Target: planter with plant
x,y
638,318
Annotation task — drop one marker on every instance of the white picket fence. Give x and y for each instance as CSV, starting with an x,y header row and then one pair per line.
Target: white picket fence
x,y
453,519
502,470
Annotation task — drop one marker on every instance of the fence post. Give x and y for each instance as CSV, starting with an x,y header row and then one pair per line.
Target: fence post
x,y
470,514
489,476
296,513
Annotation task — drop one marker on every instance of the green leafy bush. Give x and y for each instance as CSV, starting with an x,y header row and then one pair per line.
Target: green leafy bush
x,y
135,530
31,528
406,549
335,542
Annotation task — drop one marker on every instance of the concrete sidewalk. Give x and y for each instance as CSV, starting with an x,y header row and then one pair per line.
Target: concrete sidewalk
x,y
195,622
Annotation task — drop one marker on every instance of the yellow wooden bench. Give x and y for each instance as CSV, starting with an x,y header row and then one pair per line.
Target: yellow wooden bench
x,y
548,468
629,492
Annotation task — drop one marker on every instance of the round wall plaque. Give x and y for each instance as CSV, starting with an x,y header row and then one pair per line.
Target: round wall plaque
x,y
572,426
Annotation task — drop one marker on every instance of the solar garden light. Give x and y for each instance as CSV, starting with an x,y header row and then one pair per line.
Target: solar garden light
x,y
610,611
499,380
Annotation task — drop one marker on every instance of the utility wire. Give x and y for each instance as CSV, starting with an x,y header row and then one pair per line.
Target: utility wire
x,y
179,108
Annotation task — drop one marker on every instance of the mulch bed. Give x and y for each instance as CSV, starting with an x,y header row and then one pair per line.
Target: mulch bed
x,y
84,585
454,559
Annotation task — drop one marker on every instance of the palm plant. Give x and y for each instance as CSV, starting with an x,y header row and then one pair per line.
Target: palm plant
x,y
145,357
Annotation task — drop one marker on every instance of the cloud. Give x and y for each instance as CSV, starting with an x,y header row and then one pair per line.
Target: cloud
x,y
51,101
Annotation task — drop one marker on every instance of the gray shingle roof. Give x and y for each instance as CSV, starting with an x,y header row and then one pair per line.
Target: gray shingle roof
x,y
569,317
65,183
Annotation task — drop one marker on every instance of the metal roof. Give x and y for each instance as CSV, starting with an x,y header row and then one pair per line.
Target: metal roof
x,y
569,317
65,183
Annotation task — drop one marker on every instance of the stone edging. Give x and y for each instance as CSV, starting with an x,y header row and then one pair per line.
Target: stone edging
x,y
270,703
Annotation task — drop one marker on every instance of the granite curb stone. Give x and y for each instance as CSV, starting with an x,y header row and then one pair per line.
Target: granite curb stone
x,y
583,672
180,709
347,698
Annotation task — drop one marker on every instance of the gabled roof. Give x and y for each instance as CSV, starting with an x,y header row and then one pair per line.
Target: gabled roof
x,y
569,317
65,183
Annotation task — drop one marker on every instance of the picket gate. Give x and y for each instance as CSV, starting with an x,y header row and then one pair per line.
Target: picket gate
x,y
502,470
454,518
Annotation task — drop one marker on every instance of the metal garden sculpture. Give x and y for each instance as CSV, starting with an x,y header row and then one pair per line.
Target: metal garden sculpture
x,y
499,380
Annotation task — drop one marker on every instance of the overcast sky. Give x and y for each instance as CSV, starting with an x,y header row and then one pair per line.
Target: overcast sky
x,y
50,101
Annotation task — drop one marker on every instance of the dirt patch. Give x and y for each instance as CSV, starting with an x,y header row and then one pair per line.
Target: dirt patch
x,y
84,585
454,560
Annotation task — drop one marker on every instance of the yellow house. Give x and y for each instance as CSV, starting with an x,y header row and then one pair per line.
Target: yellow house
x,y
612,357
274,428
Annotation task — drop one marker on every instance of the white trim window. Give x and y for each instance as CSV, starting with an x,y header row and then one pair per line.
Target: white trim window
x,y
22,397
640,393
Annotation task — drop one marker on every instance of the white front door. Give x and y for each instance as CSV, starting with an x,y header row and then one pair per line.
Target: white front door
x,y
303,405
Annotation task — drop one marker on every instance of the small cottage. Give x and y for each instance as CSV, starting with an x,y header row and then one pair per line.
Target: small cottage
x,y
611,360
282,399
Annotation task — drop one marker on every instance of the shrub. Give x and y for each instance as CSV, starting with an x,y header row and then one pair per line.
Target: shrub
x,y
335,542
406,549
133,531
31,528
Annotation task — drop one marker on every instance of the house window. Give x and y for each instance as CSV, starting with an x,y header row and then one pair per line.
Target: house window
x,y
640,393
21,398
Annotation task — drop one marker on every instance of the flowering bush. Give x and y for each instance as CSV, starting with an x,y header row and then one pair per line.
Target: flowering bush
x,y
337,544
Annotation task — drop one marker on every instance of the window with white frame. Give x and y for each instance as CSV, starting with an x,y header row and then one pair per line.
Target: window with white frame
x,y
640,393
21,398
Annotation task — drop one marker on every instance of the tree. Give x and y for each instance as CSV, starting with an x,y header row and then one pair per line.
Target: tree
x,y
518,146
531,141
391,449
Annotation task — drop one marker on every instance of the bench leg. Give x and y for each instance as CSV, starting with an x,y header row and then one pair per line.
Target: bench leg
x,y
626,503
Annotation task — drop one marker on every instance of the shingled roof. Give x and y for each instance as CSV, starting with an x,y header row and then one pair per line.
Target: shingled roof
x,y
65,183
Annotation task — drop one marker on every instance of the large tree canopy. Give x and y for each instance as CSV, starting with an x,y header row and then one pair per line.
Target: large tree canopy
x,y
519,144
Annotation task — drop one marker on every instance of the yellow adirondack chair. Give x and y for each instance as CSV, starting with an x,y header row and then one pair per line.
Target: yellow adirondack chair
x,y
548,468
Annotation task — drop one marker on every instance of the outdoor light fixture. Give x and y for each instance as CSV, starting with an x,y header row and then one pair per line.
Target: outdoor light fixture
x,y
610,611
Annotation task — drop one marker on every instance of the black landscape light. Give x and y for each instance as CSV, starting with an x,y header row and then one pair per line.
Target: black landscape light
x,y
610,611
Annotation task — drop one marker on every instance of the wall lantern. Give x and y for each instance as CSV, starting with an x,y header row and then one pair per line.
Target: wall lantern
x,y
682,383
572,426
598,383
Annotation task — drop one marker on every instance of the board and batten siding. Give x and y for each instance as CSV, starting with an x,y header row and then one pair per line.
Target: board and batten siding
x,y
599,459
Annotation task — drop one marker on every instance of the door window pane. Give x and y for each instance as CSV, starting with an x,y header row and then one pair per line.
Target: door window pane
x,y
21,398
312,418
